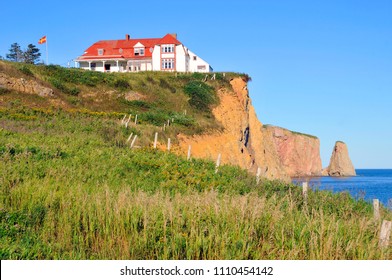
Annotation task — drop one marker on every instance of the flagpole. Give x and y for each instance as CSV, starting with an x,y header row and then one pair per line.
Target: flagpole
x,y
47,56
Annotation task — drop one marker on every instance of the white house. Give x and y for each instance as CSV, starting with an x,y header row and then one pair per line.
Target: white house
x,y
133,55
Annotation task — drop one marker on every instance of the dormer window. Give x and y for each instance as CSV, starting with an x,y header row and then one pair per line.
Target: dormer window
x,y
168,48
139,51
100,51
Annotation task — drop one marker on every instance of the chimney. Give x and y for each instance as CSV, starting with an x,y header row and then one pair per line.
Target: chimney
x,y
174,35
127,37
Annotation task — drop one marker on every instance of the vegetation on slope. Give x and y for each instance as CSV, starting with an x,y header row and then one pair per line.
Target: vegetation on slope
x,y
71,188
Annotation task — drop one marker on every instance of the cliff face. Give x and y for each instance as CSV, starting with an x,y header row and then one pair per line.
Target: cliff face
x,y
241,142
24,85
299,154
340,163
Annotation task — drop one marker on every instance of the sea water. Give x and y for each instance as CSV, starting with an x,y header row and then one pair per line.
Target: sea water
x,y
368,184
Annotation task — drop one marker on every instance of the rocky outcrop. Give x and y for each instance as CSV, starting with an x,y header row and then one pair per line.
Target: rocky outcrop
x,y
241,141
299,154
24,85
340,163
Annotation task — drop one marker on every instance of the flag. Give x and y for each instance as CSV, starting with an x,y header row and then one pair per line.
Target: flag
x,y
42,40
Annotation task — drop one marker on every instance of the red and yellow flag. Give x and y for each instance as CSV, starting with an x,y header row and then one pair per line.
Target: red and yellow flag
x,y
42,40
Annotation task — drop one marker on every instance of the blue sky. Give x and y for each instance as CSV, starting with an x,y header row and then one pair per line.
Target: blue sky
x,y
318,67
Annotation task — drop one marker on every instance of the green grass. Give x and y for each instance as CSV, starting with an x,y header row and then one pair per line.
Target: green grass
x,y
158,94
70,188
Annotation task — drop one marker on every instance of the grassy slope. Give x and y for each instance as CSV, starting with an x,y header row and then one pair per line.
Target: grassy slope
x,y
70,188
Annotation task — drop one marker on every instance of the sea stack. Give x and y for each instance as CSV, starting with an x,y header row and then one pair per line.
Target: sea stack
x,y
340,164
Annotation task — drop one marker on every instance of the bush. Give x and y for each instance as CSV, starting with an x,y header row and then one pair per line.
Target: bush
x,y
122,84
61,86
201,95
164,84
26,70
137,103
155,118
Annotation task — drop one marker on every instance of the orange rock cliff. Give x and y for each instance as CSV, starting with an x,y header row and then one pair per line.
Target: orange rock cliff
x,y
279,153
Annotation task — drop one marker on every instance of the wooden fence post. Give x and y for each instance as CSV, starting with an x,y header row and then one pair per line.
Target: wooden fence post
x,y
189,153
122,121
168,122
305,189
133,141
155,140
129,138
164,127
258,173
218,163
136,119
168,144
376,209
386,229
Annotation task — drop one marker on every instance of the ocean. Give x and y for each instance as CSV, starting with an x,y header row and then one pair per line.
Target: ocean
x,y
368,184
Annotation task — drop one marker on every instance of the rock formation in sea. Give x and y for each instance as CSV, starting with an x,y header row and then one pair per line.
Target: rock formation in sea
x,y
340,164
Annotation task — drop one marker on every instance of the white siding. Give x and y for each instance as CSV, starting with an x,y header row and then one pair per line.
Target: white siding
x,y
196,64
180,59
156,58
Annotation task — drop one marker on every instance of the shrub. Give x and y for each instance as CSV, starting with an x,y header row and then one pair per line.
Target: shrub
x,y
121,84
26,70
198,76
137,103
4,91
201,95
164,84
155,118
57,84
61,86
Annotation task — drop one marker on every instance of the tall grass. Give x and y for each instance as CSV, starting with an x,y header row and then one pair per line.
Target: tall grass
x,y
70,188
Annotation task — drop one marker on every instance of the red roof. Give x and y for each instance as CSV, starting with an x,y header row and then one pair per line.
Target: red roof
x,y
124,49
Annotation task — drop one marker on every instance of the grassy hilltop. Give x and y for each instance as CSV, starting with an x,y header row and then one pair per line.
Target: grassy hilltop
x,y
71,187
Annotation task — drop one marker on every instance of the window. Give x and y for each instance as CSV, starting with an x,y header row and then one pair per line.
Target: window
x,y
167,48
93,65
194,57
168,64
201,67
100,51
139,51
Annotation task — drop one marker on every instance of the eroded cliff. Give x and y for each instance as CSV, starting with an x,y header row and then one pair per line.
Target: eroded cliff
x,y
241,142
299,154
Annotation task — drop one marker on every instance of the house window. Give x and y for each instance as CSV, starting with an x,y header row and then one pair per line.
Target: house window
x,y
167,48
93,65
100,51
194,57
201,67
139,51
168,64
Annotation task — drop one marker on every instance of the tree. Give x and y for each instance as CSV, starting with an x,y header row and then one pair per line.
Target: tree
x,y
32,54
16,53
